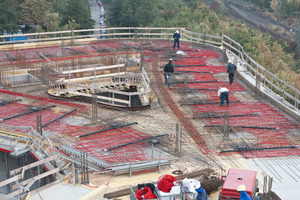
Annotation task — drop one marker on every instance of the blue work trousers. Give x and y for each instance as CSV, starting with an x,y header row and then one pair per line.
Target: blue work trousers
x,y
168,77
176,41
224,95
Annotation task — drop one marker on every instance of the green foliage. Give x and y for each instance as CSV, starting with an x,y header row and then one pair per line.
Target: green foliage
x,y
79,11
72,25
52,22
292,6
132,13
34,11
58,6
55,14
8,16
39,29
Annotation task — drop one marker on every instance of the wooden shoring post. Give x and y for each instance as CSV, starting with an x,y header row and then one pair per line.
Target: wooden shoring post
x,y
73,175
39,123
270,183
265,188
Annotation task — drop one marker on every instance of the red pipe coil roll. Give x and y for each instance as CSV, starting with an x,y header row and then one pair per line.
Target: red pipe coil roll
x,y
146,192
166,182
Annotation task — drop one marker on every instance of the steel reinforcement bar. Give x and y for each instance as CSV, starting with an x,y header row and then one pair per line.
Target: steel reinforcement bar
x,y
185,121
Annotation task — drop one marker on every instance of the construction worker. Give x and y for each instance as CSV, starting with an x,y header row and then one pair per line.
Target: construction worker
x,y
223,93
176,37
168,69
244,195
201,194
231,69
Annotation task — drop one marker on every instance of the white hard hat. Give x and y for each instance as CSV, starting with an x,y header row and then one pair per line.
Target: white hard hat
x,y
177,31
229,61
170,59
241,188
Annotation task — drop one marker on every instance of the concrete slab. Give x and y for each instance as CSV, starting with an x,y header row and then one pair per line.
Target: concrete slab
x,y
285,173
60,191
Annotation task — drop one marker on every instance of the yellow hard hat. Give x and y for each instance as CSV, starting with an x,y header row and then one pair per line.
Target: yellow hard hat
x,y
241,188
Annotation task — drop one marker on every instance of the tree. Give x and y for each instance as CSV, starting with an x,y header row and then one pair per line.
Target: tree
x,y
34,11
52,22
115,12
8,16
58,6
72,25
79,11
273,5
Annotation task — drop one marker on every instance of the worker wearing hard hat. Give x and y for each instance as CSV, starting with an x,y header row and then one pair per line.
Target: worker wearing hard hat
x,y
231,69
176,37
168,69
244,195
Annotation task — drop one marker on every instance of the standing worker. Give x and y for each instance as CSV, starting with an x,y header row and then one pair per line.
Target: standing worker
x,y
244,195
176,37
231,69
223,93
201,194
168,69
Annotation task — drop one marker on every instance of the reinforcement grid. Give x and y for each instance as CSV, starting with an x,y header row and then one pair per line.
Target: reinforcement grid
x,y
95,144
195,65
268,127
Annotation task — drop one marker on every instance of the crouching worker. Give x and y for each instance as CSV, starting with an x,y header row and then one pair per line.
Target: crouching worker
x,y
223,93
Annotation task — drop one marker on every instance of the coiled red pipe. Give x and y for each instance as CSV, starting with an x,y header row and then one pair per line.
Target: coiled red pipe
x,y
166,182
144,192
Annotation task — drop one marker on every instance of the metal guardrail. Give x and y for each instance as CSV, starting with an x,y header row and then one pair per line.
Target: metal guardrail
x,y
287,92
73,37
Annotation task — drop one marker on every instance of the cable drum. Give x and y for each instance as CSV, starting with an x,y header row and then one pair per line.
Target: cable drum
x,y
166,182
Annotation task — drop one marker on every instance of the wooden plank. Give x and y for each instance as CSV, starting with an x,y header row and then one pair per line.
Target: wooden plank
x,y
30,179
38,177
40,162
3,183
30,182
93,77
15,193
93,69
